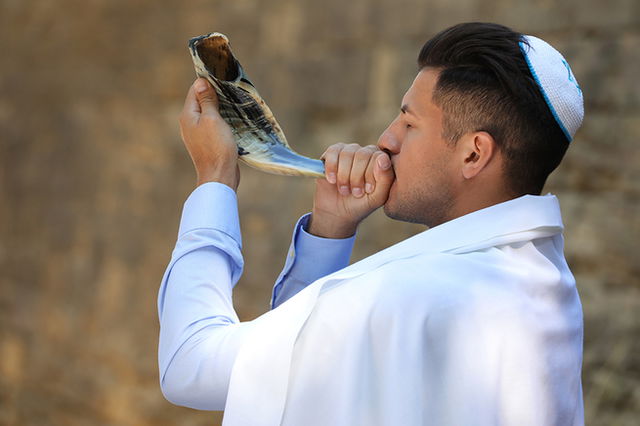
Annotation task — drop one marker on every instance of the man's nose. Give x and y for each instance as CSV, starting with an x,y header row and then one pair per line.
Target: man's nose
x,y
389,142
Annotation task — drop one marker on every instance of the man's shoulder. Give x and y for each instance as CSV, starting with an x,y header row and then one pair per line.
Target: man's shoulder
x,y
449,284
441,269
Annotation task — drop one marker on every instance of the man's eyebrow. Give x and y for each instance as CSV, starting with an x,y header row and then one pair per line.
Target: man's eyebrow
x,y
405,109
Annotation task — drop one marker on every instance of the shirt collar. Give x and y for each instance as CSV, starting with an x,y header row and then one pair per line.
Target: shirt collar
x,y
507,221
520,219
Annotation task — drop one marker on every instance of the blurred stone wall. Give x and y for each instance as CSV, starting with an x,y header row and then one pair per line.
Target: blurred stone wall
x,y
93,175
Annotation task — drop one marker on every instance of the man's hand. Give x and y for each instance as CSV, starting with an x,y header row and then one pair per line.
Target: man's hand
x,y
208,137
357,182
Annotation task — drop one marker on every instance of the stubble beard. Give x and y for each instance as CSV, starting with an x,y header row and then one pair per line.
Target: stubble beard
x,y
429,204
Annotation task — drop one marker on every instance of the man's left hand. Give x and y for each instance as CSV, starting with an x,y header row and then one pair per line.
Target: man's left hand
x,y
358,181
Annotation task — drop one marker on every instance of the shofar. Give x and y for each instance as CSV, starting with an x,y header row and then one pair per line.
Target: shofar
x,y
261,142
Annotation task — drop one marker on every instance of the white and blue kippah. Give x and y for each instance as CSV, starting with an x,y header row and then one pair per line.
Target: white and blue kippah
x,y
557,83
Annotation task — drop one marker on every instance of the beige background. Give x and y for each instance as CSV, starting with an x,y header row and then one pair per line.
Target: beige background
x,y
93,176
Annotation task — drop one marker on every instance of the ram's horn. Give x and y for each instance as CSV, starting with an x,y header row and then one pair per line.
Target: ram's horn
x,y
261,142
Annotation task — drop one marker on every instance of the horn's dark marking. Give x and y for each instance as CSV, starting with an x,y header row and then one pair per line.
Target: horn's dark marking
x,y
237,106
247,81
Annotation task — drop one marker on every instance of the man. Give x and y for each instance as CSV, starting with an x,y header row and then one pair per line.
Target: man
x,y
475,321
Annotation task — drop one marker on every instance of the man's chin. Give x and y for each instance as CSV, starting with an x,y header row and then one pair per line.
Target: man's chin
x,y
390,209
395,210
391,205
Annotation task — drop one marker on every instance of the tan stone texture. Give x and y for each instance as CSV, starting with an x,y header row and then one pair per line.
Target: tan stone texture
x,y
93,175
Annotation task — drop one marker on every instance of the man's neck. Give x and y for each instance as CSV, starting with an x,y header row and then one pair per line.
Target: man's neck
x,y
477,201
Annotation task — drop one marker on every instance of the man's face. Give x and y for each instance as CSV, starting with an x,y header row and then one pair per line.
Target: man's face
x,y
425,176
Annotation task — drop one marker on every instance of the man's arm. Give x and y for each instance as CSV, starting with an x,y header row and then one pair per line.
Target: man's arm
x,y
200,333
358,182
309,258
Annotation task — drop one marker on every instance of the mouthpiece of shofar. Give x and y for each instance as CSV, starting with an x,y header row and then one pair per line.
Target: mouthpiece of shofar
x,y
261,142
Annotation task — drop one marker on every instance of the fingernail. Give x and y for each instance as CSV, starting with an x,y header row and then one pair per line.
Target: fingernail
x,y
201,86
357,192
368,188
384,162
344,190
331,177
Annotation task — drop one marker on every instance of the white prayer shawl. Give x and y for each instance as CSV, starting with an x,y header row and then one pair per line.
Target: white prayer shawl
x,y
473,322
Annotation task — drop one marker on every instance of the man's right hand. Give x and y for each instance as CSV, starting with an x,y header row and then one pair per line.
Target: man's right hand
x,y
357,182
208,138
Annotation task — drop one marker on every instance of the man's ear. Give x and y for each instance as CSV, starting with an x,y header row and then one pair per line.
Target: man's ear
x,y
478,149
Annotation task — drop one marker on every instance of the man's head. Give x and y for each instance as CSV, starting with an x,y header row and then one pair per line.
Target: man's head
x,y
476,100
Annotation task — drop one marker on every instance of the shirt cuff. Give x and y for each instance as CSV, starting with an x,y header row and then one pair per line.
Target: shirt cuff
x,y
315,256
212,205
309,259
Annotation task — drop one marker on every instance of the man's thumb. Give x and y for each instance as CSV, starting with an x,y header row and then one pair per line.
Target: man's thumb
x,y
383,172
206,96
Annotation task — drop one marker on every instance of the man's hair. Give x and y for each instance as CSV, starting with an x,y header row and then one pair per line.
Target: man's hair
x,y
484,84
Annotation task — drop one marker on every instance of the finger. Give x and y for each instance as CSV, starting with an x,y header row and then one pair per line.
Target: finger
x,y
345,162
207,97
369,178
330,158
191,109
383,174
360,163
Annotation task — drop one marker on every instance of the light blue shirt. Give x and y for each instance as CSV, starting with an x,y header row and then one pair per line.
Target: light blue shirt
x,y
195,304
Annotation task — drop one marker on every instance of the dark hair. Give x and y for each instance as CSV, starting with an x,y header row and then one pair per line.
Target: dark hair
x,y
485,84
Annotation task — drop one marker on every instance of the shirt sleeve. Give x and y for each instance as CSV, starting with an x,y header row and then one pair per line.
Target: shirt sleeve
x,y
309,258
200,333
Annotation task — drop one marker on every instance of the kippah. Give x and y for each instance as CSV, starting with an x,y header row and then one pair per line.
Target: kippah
x,y
557,83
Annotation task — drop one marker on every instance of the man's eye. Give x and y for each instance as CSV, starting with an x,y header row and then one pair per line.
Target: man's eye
x,y
408,126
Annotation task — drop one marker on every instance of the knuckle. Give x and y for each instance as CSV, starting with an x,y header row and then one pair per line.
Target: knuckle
x,y
330,158
363,154
332,151
346,154
377,154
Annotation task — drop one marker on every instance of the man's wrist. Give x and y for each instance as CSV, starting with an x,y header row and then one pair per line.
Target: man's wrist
x,y
227,175
330,226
